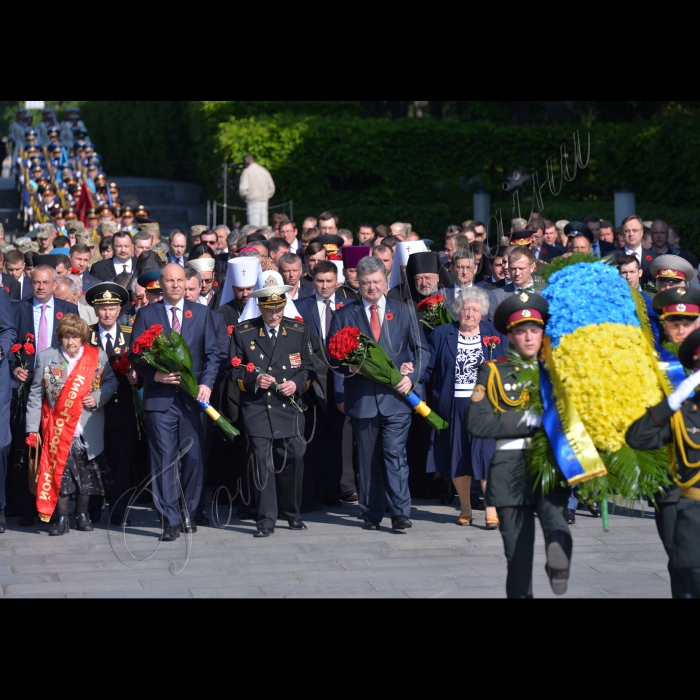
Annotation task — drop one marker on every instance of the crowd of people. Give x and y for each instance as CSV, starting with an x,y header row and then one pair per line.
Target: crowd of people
x,y
257,307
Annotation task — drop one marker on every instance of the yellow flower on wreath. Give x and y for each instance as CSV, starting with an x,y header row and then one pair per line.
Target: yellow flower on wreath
x,y
608,375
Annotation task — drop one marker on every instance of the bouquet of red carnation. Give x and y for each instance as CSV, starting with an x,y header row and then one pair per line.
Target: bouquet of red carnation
x,y
122,366
435,310
490,342
29,349
168,352
351,347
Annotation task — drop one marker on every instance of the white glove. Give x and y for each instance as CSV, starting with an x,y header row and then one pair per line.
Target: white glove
x,y
684,391
534,421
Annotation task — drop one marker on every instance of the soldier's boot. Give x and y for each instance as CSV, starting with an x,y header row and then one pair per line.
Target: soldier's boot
x,y
558,550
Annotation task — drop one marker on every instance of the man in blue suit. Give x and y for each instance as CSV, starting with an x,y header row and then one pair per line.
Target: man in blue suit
x,y
381,419
327,447
38,315
79,259
172,416
7,339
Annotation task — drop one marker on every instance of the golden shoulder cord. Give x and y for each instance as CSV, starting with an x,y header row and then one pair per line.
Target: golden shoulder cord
x,y
682,438
495,391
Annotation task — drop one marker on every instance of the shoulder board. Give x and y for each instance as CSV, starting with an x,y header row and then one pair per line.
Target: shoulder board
x,y
125,329
295,326
245,327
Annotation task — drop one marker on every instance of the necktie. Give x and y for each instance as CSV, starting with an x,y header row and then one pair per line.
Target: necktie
x,y
123,267
176,322
327,317
109,348
43,331
374,322
273,335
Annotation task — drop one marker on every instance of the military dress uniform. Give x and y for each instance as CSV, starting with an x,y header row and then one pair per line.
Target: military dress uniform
x,y
678,513
496,411
121,433
274,426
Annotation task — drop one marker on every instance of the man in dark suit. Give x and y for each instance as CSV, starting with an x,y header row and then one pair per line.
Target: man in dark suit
x,y
521,267
290,269
79,259
121,433
11,285
177,248
14,264
381,419
172,416
327,447
633,229
599,248
123,260
8,335
270,405
497,278
38,315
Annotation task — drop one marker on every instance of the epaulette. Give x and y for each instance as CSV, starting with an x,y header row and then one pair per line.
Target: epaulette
x,y
294,325
125,329
245,327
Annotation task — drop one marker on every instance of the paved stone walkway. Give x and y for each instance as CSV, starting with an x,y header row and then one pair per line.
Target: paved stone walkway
x,y
334,558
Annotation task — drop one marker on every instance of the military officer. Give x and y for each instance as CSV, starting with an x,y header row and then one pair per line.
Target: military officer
x,y
496,411
107,299
678,309
676,420
271,409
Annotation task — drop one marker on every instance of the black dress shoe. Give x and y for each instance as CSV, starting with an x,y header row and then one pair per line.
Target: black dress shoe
x,y
188,526
60,527
370,525
594,510
3,522
558,553
170,533
297,525
26,521
201,519
82,522
263,532
349,497
401,522
570,516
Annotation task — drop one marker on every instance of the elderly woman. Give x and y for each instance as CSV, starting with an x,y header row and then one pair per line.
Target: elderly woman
x,y
70,387
456,351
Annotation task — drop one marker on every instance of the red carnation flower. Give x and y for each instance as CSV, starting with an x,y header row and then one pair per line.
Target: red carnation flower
x,y
236,361
59,315
299,318
29,348
31,439
188,314
29,338
439,298
74,271
344,343
389,316
250,367
136,348
16,347
230,330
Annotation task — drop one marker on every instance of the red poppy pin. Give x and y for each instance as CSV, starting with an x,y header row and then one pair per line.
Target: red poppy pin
x,y
7,289
648,258
389,316
188,314
543,251
339,305
59,315
216,284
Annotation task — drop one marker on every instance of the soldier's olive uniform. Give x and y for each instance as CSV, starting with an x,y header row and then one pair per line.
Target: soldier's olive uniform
x,y
678,515
510,489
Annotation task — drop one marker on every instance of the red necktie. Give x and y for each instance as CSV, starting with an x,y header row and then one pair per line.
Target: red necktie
x,y
176,322
374,322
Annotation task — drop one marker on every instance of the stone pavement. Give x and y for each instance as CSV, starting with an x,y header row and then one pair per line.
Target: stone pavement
x,y
334,558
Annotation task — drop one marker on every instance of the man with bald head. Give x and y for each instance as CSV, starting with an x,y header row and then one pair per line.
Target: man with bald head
x,y
399,230
172,416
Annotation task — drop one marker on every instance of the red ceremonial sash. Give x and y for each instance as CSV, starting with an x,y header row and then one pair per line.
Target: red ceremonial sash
x,y
59,431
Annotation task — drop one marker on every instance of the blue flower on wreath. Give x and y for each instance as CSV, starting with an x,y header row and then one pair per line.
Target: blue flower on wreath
x,y
587,294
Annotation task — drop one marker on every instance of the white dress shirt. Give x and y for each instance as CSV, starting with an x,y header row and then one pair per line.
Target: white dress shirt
x,y
119,266
381,305
637,253
49,320
112,333
179,306
321,306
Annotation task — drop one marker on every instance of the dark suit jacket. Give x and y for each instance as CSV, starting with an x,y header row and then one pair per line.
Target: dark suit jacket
x,y
8,335
105,271
404,341
605,248
200,334
443,344
11,286
305,291
647,258
24,323
549,252
26,285
90,279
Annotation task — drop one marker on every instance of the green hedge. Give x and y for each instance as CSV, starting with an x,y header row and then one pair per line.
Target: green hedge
x,y
324,156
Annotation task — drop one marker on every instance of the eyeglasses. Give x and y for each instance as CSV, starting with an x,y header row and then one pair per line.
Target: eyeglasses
x,y
633,230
